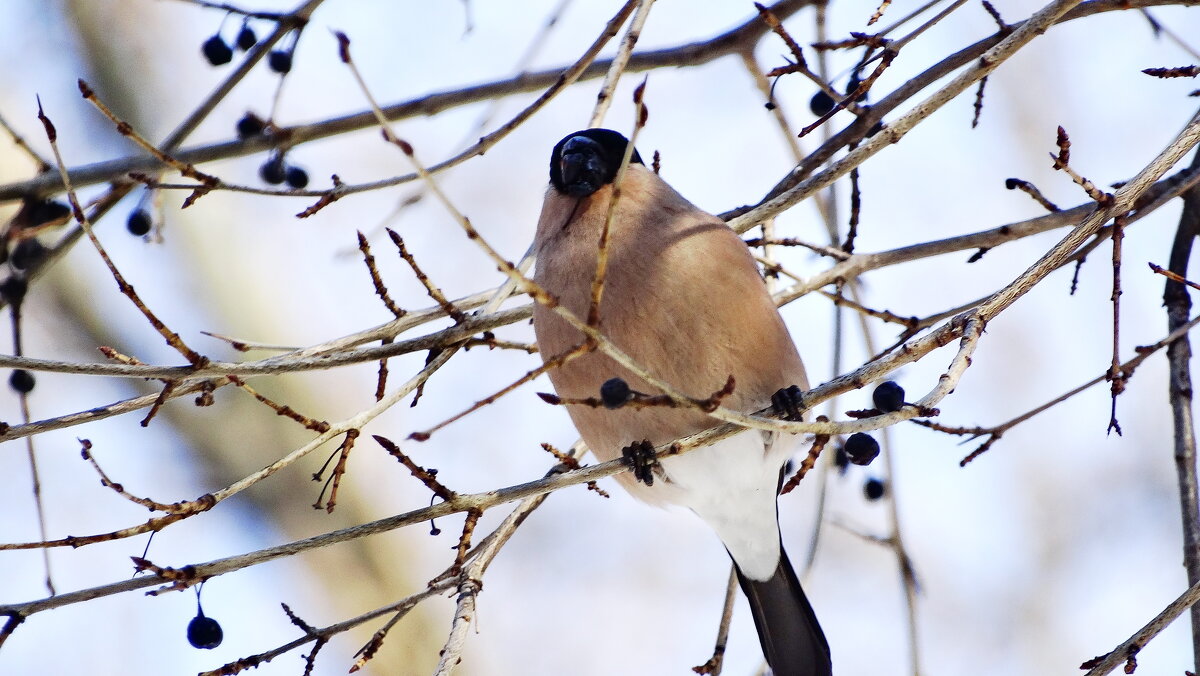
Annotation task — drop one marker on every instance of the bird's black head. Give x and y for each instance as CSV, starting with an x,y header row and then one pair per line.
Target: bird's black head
x,y
586,160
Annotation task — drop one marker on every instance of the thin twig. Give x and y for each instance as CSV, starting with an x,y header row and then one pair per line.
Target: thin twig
x,y
620,61
206,181
35,479
889,54
1031,190
883,5
19,142
425,476
995,16
832,252
1116,377
995,432
1126,652
602,250
810,461
399,609
432,289
933,21
1178,71
281,409
979,102
855,212
1174,37
188,507
380,287
716,663
172,338
339,470
549,365
1062,162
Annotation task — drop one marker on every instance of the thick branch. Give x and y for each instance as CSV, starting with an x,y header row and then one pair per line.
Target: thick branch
x,y
1179,304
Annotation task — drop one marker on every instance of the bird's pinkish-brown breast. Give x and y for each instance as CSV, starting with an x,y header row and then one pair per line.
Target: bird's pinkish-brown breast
x,y
682,297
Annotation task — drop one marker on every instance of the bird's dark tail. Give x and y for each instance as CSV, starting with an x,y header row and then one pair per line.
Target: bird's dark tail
x,y
791,637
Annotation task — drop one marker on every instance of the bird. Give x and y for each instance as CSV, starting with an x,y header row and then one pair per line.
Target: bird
x,y
683,298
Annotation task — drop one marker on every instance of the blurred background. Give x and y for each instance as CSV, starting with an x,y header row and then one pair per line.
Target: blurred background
x,y
1050,549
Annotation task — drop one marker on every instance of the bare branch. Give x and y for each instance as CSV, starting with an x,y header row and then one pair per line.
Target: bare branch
x,y
1126,652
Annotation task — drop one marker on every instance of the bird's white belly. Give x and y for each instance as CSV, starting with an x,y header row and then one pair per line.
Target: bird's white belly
x,y
732,486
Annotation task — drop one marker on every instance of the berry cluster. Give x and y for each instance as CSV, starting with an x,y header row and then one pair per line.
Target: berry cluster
x,y
218,52
861,448
276,171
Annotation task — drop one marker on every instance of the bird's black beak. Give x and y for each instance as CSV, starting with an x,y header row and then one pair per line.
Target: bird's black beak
x,y
582,167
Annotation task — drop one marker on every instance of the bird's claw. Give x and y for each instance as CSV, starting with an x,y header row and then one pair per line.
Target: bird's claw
x,y
788,403
641,457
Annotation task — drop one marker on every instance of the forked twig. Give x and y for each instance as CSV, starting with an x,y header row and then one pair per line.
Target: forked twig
x,y
172,338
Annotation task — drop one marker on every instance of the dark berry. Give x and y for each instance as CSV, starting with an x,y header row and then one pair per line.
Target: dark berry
x,y
216,51
139,222
861,448
853,84
21,381
770,105
204,632
614,393
280,61
246,38
297,178
48,211
841,460
13,289
27,253
874,489
888,397
250,125
1012,183
820,103
272,171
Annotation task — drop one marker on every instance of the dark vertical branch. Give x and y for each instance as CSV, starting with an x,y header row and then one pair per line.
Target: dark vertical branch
x,y
1179,354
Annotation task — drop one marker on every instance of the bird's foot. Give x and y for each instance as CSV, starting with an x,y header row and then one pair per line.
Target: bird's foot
x,y
788,403
641,457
